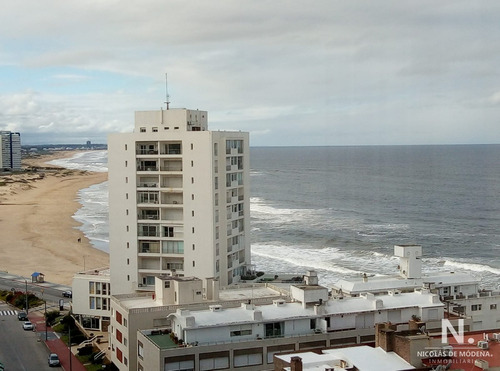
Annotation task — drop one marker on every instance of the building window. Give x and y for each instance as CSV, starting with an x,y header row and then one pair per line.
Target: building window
x,y
192,146
125,322
126,147
140,350
241,330
92,302
128,277
126,179
119,354
155,130
126,163
128,245
192,163
476,307
128,261
216,149
192,229
194,264
274,329
125,362
493,306
127,228
167,284
119,317
126,196
142,130
192,196
192,212
192,180
126,212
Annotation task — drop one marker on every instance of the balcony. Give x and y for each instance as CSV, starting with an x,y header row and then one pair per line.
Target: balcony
x,y
148,216
151,249
147,168
143,151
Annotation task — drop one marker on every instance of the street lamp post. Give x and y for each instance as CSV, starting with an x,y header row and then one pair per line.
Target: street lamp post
x,y
26,295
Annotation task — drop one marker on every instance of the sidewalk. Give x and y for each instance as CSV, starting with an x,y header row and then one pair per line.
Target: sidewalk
x,y
54,344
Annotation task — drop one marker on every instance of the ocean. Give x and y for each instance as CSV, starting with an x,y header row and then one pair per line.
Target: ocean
x,y
341,210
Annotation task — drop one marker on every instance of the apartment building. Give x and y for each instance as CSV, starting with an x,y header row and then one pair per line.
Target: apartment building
x,y
410,277
144,310
10,150
178,201
249,336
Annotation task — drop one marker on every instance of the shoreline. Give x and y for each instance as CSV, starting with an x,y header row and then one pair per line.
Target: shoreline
x,y
39,233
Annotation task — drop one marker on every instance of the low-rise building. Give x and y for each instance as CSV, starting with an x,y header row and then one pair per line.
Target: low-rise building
x,y
410,277
134,312
91,301
247,337
360,358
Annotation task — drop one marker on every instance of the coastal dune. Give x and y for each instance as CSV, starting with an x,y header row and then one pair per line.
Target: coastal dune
x,y
38,232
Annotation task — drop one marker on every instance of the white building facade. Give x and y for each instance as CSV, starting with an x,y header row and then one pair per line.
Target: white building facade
x,y
91,302
247,337
10,150
178,201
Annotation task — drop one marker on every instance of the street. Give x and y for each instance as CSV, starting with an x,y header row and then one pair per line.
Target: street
x,y
20,349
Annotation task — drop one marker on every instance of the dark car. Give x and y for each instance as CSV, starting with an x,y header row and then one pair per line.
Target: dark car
x,y
54,360
67,294
22,316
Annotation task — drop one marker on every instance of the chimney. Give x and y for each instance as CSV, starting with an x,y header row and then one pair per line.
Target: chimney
x,y
295,364
384,336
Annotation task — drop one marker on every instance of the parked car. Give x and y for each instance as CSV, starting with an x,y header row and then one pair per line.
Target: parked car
x,y
53,360
67,294
22,316
27,325
1,366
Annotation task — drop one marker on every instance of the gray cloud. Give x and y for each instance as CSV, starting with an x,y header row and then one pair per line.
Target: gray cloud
x,y
291,73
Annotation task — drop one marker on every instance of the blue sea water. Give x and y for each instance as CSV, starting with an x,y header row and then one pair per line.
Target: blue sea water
x,y
340,210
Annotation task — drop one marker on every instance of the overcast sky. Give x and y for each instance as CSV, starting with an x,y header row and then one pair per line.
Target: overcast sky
x,y
289,72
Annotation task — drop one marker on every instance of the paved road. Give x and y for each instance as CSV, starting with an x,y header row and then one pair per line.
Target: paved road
x,y
51,292
20,350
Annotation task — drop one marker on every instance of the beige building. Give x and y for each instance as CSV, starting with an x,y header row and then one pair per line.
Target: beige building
x,y
178,201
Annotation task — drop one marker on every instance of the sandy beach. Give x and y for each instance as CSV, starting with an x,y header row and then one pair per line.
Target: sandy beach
x,y
37,230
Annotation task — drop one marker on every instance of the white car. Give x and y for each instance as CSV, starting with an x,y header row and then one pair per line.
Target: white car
x,y
27,325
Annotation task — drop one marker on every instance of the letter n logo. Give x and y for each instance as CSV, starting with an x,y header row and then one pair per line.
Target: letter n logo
x,y
446,325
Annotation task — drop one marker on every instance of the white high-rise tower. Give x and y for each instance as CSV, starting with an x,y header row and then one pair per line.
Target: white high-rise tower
x,y
178,200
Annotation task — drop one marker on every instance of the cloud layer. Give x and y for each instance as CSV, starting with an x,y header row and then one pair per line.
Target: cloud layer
x,y
290,72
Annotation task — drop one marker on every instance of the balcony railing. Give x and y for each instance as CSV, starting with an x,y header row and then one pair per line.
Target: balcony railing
x,y
148,216
147,152
171,168
150,250
148,185
147,168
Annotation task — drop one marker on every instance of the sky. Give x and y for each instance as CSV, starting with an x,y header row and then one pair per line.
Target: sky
x,y
292,73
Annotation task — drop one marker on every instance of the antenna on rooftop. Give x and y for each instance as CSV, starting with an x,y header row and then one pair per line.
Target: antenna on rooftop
x,y
167,102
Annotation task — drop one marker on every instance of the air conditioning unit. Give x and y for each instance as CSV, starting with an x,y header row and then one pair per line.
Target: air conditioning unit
x,y
482,344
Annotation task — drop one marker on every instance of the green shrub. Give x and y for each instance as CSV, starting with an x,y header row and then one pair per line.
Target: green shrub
x,y
51,316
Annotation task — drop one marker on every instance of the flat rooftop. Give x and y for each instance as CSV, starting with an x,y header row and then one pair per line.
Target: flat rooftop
x,y
145,300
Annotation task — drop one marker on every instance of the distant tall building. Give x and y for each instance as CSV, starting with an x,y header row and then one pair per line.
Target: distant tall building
x,y
178,201
10,150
